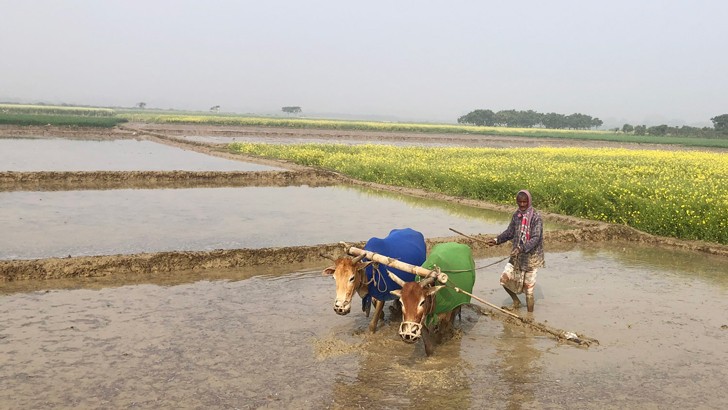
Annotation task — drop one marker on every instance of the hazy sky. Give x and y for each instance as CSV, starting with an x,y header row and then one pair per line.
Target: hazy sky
x,y
651,61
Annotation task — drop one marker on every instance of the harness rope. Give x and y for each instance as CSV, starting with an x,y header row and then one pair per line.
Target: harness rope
x,y
479,267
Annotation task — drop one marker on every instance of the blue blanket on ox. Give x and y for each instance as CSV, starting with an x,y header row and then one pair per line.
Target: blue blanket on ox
x,y
405,245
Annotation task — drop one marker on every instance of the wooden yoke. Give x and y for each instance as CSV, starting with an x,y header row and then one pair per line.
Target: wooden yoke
x,y
394,263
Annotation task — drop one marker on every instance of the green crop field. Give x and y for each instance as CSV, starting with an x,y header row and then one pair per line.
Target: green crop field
x,y
16,114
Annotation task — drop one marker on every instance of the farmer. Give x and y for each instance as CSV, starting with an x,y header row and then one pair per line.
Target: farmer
x,y
526,235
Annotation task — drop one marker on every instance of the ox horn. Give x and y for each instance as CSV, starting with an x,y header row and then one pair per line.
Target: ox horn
x,y
427,281
396,279
327,257
358,258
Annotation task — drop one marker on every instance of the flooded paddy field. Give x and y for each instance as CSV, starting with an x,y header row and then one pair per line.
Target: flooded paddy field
x,y
124,221
141,332
61,154
268,338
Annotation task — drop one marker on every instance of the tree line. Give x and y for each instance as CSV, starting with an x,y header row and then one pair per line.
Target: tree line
x,y
577,121
530,119
719,130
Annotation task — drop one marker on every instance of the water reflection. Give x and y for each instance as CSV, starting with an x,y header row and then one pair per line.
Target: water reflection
x,y
691,264
109,155
459,210
126,221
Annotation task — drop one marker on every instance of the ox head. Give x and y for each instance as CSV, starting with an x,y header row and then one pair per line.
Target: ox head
x,y
417,301
349,276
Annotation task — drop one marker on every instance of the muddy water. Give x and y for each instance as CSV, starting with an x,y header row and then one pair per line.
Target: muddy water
x,y
659,316
84,223
109,155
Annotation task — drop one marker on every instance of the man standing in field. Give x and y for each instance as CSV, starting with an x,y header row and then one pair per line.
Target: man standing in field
x,y
526,235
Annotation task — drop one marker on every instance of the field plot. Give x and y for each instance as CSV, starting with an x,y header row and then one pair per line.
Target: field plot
x,y
109,155
124,221
658,314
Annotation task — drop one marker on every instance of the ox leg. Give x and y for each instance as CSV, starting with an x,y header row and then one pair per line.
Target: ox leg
x,y
395,309
427,340
378,314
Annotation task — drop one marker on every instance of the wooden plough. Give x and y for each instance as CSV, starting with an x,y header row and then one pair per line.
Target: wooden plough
x,y
561,335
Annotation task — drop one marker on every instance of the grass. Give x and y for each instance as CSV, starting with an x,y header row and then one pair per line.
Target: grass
x,y
55,110
60,120
25,115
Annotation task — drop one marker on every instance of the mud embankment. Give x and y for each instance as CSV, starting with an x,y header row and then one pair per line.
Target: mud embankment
x,y
78,180
150,263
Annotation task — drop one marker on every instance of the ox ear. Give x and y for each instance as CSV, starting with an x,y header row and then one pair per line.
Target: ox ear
x,y
363,290
329,271
433,289
397,293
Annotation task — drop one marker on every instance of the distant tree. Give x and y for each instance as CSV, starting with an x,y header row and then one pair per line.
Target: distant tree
x,y
553,120
291,110
578,121
626,128
478,117
142,105
596,122
215,108
720,123
529,119
640,130
506,118
658,130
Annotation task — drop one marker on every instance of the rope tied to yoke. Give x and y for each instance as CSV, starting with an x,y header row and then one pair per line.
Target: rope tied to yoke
x,y
377,272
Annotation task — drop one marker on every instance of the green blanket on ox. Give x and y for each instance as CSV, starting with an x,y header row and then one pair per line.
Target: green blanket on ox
x,y
456,260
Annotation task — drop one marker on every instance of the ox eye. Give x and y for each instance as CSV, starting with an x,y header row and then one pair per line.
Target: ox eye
x,y
422,302
351,279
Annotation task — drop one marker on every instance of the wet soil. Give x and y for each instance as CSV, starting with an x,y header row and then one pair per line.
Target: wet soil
x,y
267,337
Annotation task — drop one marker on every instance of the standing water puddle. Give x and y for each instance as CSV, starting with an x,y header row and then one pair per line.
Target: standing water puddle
x,y
29,155
271,339
125,221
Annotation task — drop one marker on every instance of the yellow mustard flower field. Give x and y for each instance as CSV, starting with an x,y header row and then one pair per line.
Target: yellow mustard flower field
x,y
682,194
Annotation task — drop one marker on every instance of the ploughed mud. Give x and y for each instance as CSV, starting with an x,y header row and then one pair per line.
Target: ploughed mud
x,y
253,327
267,337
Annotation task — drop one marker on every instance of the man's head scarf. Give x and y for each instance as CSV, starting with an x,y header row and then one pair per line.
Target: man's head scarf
x,y
525,230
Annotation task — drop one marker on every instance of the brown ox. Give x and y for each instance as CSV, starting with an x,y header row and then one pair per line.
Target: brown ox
x,y
418,301
349,275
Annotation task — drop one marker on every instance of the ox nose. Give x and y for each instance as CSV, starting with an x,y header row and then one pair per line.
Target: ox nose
x,y
410,331
342,308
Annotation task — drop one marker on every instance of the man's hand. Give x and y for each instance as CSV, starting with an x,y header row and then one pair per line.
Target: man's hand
x,y
515,251
492,242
